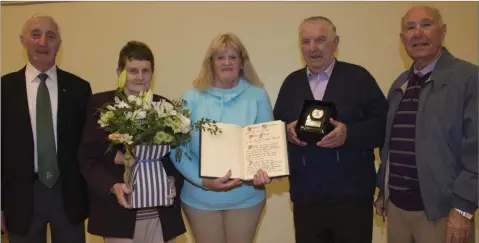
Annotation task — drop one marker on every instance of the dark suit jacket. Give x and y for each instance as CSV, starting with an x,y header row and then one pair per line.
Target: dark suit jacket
x,y
107,217
18,149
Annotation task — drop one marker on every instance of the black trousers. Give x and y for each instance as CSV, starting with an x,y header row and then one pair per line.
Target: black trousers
x,y
350,222
48,208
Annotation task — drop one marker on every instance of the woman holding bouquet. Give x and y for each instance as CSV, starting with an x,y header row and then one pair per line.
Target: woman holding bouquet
x,y
227,90
111,215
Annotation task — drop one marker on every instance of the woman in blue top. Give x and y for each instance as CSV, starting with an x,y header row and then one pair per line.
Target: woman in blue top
x,y
227,90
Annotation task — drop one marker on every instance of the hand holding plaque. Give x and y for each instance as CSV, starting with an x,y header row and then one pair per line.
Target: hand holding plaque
x,y
314,121
336,137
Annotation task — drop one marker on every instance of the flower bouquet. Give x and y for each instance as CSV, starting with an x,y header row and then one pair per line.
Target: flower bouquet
x,y
147,130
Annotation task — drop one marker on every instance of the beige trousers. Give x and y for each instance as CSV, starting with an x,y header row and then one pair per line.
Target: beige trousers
x,y
413,227
224,226
146,231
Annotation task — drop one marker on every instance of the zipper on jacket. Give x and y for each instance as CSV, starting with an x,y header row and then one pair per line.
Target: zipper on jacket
x,y
304,161
337,155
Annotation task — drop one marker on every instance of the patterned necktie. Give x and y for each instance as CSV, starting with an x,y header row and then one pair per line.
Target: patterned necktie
x,y
415,81
48,172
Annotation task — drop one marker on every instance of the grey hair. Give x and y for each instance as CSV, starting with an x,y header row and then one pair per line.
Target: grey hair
x,y
40,16
319,18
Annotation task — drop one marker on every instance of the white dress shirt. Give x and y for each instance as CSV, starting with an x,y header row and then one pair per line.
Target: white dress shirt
x,y
32,83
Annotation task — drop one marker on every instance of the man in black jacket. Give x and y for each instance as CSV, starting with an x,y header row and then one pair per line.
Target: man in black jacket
x,y
43,113
332,182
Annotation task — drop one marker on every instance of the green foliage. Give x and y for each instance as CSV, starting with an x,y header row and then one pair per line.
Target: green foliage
x,y
134,120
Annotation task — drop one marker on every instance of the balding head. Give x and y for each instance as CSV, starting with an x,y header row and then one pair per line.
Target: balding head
x,y
422,33
32,19
423,10
41,38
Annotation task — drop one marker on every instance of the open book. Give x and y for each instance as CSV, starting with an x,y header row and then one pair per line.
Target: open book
x,y
244,150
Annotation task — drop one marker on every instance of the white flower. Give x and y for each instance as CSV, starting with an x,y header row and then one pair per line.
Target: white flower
x,y
111,108
131,98
185,124
122,104
127,138
164,109
168,108
146,106
139,114
105,117
139,101
135,100
128,115
102,123
156,106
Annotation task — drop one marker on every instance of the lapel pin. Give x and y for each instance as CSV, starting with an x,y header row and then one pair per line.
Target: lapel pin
x,y
64,90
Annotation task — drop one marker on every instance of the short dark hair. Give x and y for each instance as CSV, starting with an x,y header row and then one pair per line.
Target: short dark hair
x,y
135,50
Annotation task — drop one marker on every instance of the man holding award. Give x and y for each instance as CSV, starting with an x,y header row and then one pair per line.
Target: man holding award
x,y
336,116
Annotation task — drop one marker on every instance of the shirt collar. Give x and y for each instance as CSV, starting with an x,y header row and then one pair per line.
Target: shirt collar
x,y
32,73
328,70
429,68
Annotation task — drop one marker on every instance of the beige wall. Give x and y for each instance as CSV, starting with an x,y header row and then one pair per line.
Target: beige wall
x,y
179,33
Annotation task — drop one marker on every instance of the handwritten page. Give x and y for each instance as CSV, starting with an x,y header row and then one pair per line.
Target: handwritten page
x,y
265,148
244,151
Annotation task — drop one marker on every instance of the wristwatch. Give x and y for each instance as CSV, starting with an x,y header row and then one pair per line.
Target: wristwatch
x,y
464,214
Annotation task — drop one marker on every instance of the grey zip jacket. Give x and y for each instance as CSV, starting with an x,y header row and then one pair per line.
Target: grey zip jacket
x,y
446,137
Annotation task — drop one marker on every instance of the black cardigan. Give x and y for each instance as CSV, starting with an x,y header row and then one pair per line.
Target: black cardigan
x,y
348,172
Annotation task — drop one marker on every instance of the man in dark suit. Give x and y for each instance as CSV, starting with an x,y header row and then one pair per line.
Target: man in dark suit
x,y
42,118
332,181
111,216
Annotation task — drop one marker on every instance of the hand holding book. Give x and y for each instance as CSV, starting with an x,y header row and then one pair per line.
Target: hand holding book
x,y
261,178
221,184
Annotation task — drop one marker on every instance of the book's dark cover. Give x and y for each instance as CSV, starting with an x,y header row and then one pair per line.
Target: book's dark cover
x,y
199,158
